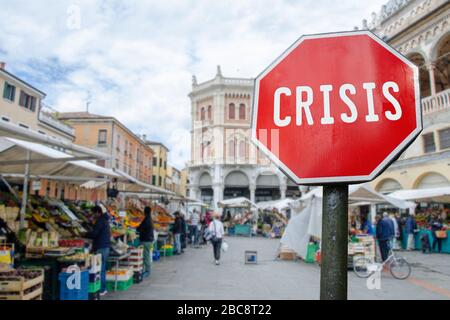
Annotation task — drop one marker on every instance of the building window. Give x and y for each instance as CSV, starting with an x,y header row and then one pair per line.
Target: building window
x,y
102,136
231,149
5,119
242,111
231,111
444,138
27,101
154,180
209,113
155,161
242,149
23,126
428,143
160,163
165,165
9,92
202,114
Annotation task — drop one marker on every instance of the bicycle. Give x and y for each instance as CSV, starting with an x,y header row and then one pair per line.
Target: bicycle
x,y
398,266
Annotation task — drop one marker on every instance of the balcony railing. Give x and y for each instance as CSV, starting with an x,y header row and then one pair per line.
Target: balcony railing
x,y
437,102
49,120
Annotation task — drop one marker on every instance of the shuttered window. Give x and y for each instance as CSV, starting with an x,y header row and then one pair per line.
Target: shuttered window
x,y
9,92
444,138
428,143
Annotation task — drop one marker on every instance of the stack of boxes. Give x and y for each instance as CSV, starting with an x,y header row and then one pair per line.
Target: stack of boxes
x,y
119,279
10,215
135,262
94,276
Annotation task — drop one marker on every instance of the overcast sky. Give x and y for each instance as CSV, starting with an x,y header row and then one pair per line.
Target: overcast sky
x,y
136,58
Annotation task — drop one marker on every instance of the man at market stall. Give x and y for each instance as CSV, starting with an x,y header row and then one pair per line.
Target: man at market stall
x,y
195,225
410,227
384,234
101,236
177,231
146,238
436,224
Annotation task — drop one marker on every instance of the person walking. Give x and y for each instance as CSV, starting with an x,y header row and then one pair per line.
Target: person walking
x,y
394,243
195,223
383,234
177,231
410,227
184,232
217,231
146,238
436,225
101,241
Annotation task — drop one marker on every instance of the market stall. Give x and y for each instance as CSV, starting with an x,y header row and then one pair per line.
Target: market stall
x,y
432,201
239,216
273,217
303,231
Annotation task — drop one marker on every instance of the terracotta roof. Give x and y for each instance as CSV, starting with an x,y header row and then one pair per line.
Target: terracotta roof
x,y
80,115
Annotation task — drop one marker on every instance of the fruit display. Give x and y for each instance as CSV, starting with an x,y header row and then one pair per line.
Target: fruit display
x,y
71,243
15,274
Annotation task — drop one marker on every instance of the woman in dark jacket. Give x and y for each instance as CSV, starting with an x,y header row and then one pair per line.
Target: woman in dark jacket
x,y
101,241
436,225
177,231
146,238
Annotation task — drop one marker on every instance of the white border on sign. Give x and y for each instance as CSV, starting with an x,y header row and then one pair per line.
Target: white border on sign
x,y
349,179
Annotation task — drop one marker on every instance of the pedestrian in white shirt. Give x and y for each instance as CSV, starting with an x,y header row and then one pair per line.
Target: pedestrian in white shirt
x,y
217,232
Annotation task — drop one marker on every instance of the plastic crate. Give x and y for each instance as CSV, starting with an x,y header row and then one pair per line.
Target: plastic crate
x,y
311,254
74,294
156,255
94,286
243,230
121,285
231,231
166,252
138,276
94,277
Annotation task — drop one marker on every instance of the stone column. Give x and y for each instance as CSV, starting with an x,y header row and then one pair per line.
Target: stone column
x,y
194,192
283,189
252,188
218,194
431,67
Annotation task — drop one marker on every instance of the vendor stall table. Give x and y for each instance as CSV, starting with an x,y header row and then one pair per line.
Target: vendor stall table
x,y
418,243
116,261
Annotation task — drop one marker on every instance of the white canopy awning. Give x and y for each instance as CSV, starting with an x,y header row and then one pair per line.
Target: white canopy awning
x,y
426,195
134,185
280,205
45,161
240,202
363,193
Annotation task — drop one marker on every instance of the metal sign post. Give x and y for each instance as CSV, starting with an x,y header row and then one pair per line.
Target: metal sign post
x,y
333,272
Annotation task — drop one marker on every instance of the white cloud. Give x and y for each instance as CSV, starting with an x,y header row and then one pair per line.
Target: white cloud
x,y
136,57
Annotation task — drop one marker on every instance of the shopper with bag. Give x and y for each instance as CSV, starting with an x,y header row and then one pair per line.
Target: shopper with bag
x,y
410,228
216,232
438,233
146,238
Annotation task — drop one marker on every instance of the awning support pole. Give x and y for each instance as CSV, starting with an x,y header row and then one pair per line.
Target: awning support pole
x,y
25,191
334,251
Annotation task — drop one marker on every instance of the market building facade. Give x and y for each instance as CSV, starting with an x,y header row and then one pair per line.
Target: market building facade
x,y
420,30
128,153
160,168
224,163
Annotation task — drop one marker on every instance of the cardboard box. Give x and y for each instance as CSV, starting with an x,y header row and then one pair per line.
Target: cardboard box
x,y
288,255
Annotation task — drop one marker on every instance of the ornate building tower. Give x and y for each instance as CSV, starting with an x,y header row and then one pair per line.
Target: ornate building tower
x,y
224,163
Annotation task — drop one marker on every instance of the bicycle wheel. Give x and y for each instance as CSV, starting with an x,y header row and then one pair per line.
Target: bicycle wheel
x,y
400,268
360,267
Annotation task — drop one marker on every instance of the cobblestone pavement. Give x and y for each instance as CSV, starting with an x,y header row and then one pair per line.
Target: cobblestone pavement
x,y
194,275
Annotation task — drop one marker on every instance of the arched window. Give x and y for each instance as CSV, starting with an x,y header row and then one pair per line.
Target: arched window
x,y
202,114
424,75
209,113
242,149
242,111
231,111
231,149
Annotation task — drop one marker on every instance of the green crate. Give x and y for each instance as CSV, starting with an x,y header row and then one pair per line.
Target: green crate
x,y
166,252
311,255
94,286
121,285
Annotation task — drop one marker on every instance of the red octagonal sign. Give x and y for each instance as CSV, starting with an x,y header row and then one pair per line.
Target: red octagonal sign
x,y
336,108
